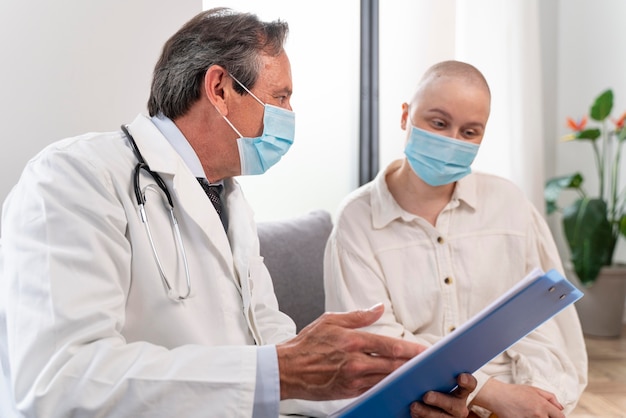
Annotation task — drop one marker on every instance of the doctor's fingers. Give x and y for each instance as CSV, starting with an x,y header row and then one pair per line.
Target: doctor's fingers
x,y
336,375
466,385
446,405
326,361
421,410
354,319
343,324
384,346
436,404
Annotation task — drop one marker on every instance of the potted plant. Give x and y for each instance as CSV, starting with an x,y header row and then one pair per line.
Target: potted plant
x,y
592,224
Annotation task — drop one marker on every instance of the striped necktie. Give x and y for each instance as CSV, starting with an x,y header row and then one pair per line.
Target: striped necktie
x,y
213,191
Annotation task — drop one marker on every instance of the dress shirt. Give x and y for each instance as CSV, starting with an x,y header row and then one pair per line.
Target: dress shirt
x,y
267,392
180,144
432,279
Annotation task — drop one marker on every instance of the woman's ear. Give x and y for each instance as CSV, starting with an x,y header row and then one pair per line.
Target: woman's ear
x,y
405,115
216,85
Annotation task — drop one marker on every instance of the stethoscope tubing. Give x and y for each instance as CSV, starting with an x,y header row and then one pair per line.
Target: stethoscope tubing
x,y
141,201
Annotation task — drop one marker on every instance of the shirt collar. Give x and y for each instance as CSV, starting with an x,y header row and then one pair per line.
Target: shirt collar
x,y
180,144
466,191
385,209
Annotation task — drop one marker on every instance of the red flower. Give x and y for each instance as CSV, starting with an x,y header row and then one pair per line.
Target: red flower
x,y
619,123
578,126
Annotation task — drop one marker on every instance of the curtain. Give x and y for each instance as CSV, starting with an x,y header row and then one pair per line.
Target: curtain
x,y
502,40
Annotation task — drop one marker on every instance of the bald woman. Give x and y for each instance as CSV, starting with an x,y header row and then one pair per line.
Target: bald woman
x,y
436,243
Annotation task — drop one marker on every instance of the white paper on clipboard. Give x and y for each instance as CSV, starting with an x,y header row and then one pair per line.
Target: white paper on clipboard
x,y
531,302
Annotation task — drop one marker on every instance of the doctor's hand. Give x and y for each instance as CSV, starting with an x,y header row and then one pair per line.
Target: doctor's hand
x,y
332,359
436,404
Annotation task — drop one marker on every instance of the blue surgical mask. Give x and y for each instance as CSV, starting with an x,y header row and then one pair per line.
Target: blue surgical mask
x,y
437,159
258,154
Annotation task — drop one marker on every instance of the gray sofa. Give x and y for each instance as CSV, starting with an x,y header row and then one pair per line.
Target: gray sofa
x,y
293,250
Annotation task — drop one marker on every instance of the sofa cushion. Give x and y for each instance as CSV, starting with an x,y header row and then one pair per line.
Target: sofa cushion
x,y
293,250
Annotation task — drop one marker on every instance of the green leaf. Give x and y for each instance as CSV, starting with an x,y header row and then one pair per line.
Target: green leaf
x,y
555,186
591,134
551,207
621,134
602,106
589,236
622,225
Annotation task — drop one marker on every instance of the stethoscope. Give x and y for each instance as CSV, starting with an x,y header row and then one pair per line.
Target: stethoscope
x,y
141,201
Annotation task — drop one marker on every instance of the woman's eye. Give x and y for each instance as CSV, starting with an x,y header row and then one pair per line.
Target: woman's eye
x,y
438,124
471,133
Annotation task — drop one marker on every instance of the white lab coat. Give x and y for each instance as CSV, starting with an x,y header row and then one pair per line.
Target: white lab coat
x,y
86,327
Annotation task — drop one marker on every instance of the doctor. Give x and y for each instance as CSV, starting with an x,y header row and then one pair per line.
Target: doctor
x,y
131,283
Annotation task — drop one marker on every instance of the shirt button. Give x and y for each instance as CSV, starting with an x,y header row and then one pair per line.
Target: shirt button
x,y
447,280
440,240
452,328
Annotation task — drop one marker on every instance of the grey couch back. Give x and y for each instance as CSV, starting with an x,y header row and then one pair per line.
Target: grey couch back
x,y
293,250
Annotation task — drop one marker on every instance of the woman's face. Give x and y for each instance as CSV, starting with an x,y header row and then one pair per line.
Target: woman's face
x,y
451,107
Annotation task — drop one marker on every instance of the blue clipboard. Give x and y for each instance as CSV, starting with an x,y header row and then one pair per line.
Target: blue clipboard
x,y
534,300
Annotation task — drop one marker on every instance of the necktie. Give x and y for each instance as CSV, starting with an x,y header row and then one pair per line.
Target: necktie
x,y
213,192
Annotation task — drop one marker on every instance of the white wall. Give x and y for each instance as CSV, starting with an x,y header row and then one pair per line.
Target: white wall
x,y
406,51
71,66
79,66
76,66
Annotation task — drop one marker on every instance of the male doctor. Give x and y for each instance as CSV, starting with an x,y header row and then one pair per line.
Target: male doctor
x,y
131,283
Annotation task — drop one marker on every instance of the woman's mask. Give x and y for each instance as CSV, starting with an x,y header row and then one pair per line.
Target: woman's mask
x,y
437,159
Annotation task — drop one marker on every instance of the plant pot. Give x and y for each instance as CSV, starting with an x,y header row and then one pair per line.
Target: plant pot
x,y
601,309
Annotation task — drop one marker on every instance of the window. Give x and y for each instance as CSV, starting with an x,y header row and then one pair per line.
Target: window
x,y
321,165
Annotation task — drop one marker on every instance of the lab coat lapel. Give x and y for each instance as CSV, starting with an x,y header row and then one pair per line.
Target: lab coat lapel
x,y
244,241
188,195
242,234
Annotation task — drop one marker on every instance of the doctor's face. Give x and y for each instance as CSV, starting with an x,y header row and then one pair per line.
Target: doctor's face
x,y
273,86
451,107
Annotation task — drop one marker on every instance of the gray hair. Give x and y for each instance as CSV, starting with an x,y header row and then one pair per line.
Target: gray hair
x,y
218,36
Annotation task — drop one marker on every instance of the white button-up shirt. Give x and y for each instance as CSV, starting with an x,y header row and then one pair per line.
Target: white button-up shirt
x,y
431,278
